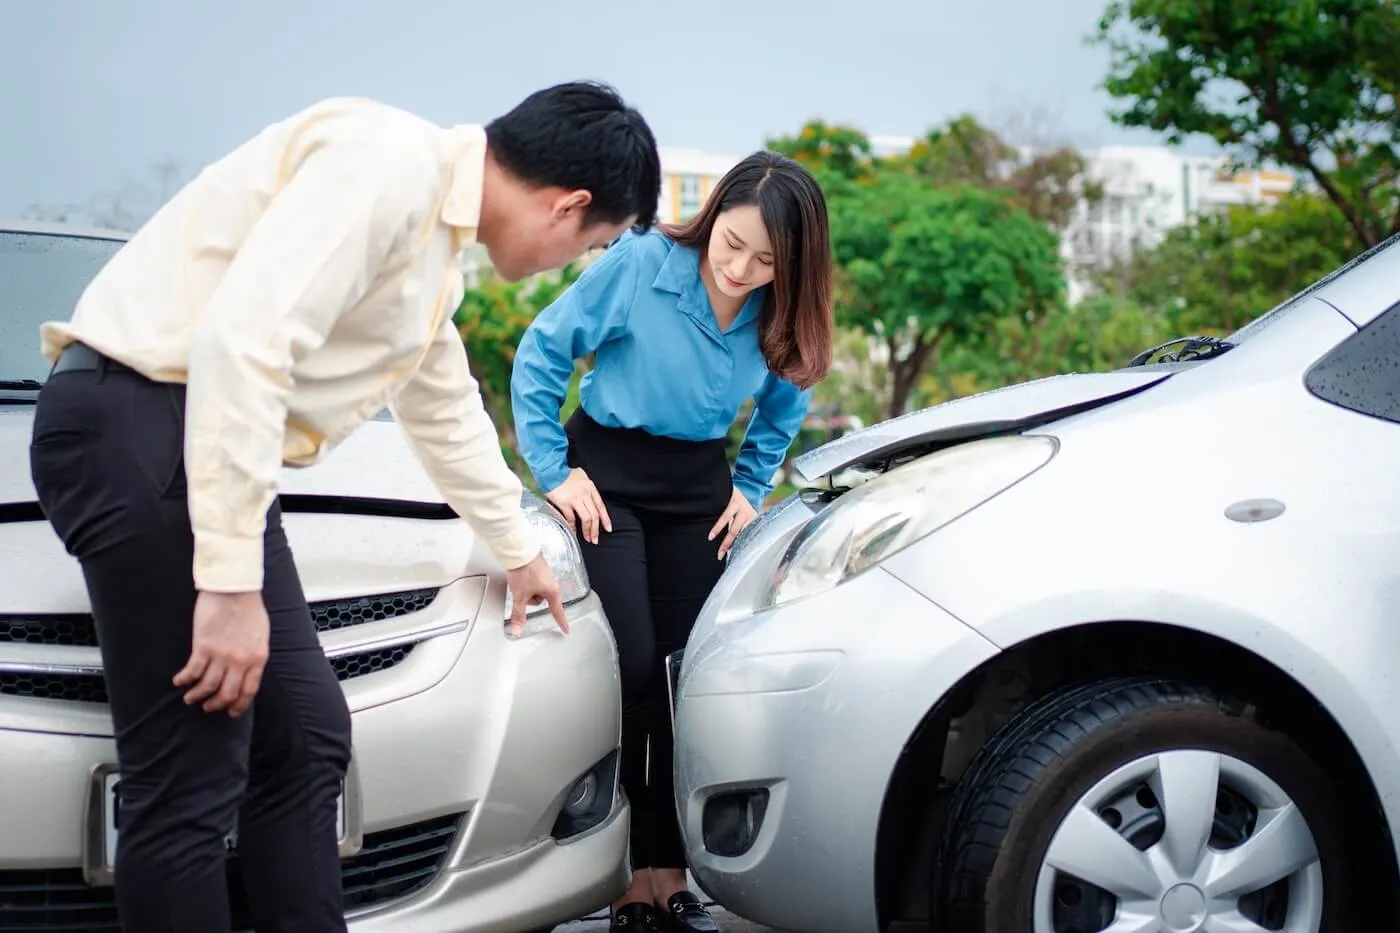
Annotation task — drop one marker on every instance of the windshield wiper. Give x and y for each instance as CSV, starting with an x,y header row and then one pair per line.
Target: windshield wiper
x,y
1191,348
34,384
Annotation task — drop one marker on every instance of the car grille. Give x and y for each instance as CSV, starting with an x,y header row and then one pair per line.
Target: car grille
x,y
392,864
91,688
75,630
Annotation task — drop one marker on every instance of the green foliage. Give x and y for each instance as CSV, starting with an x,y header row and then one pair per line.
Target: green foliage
x,y
857,384
921,264
1308,84
1219,272
1094,335
837,155
938,243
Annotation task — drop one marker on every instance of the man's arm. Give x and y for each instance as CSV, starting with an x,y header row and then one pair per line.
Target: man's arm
x,y
313,253
442,414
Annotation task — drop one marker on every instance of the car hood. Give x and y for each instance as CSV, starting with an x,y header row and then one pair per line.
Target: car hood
x,y
1013,408
350,520
373,463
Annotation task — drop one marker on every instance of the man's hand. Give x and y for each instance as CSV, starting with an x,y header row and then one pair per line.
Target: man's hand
x,y
531,585
736,517
581,505
229,651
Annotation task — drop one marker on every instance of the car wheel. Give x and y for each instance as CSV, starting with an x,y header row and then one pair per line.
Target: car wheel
x,y
1138,805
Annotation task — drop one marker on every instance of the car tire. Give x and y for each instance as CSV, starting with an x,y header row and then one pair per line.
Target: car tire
x,y
1082,787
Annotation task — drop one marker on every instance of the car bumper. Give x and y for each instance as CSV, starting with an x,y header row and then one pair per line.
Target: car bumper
x,y
793,721
464,754
534,889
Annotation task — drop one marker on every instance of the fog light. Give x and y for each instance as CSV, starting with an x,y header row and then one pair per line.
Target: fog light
x,y
581,796
589,800
732,821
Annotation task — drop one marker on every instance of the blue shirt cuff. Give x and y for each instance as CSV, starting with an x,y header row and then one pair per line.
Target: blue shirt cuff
x,y
551,478
752,490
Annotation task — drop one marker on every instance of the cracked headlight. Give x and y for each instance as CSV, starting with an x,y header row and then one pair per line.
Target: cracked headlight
x,y
890,512
560,548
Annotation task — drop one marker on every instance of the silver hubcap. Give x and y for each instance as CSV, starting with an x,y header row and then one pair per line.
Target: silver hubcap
x,y
1181,842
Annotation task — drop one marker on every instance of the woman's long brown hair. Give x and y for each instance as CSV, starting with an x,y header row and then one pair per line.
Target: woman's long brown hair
x,y
796,321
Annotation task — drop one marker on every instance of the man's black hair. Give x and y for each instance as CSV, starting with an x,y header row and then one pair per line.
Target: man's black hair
x,y
582,135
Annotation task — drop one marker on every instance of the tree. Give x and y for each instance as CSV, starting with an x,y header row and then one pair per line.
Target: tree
x,y
1219,271
1047,183
920,264
1308,84
858,383
1097,334
833,153
939,242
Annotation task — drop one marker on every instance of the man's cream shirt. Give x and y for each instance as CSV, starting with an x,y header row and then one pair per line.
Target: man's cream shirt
x,y
298,286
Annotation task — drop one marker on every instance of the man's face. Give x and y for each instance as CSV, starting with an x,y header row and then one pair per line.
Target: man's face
x,y
547,235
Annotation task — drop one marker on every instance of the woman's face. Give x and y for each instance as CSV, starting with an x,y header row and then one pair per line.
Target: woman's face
x,y
739,253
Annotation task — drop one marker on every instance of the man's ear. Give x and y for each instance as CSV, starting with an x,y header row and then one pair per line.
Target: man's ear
x,y
571,204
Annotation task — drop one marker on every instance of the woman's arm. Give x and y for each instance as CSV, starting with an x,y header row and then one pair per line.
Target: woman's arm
x,y
779,410
591,312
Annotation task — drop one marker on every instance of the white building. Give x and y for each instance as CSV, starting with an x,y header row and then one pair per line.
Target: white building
x,y
890,145
1146,191
687,178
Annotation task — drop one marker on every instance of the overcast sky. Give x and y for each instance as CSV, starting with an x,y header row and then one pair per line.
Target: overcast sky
x,y
99,91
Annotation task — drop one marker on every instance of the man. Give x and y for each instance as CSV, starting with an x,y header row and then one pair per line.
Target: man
x,y
288,293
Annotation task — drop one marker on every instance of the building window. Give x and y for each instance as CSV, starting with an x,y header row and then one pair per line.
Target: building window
x,y
690,196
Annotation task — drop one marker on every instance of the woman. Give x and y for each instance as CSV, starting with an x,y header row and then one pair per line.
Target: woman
x,y
686,324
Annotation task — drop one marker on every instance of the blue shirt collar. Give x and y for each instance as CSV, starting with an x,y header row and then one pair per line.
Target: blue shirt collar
x,y
680,275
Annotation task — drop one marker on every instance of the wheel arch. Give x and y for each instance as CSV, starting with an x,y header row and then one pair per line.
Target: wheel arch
x,y
911,818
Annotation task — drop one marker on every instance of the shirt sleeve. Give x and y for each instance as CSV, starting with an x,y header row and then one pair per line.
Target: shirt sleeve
x,y
588,314
779,410
313,253
442,413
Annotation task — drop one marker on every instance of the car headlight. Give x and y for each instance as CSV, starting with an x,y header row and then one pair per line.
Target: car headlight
x,y
892,511
561,551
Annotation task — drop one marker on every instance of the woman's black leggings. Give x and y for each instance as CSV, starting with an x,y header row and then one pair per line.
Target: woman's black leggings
x,y
652,572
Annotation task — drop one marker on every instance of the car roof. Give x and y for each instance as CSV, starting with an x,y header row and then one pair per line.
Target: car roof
x,y
60,229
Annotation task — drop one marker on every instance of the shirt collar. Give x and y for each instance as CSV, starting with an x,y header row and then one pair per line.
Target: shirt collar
x,y
461,209
680,275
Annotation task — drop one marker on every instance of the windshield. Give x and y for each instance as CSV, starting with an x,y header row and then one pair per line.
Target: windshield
x,y
42,275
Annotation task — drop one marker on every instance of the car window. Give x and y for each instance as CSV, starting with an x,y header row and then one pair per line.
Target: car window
x,y
1362,373
42,276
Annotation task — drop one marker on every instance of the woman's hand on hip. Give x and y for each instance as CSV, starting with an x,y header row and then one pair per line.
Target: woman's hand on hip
x,y
736,517
582,505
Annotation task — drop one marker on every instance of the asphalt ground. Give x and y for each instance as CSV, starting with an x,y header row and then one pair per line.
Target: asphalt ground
x,y
598,923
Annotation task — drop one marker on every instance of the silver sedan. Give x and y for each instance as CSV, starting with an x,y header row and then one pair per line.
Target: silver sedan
x,y
1100,653
483,794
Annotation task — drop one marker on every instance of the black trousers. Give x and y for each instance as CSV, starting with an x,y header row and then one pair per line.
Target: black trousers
x,y
107,463
653,573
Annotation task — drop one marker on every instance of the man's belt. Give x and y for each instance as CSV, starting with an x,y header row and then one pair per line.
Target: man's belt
x,y
81,358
